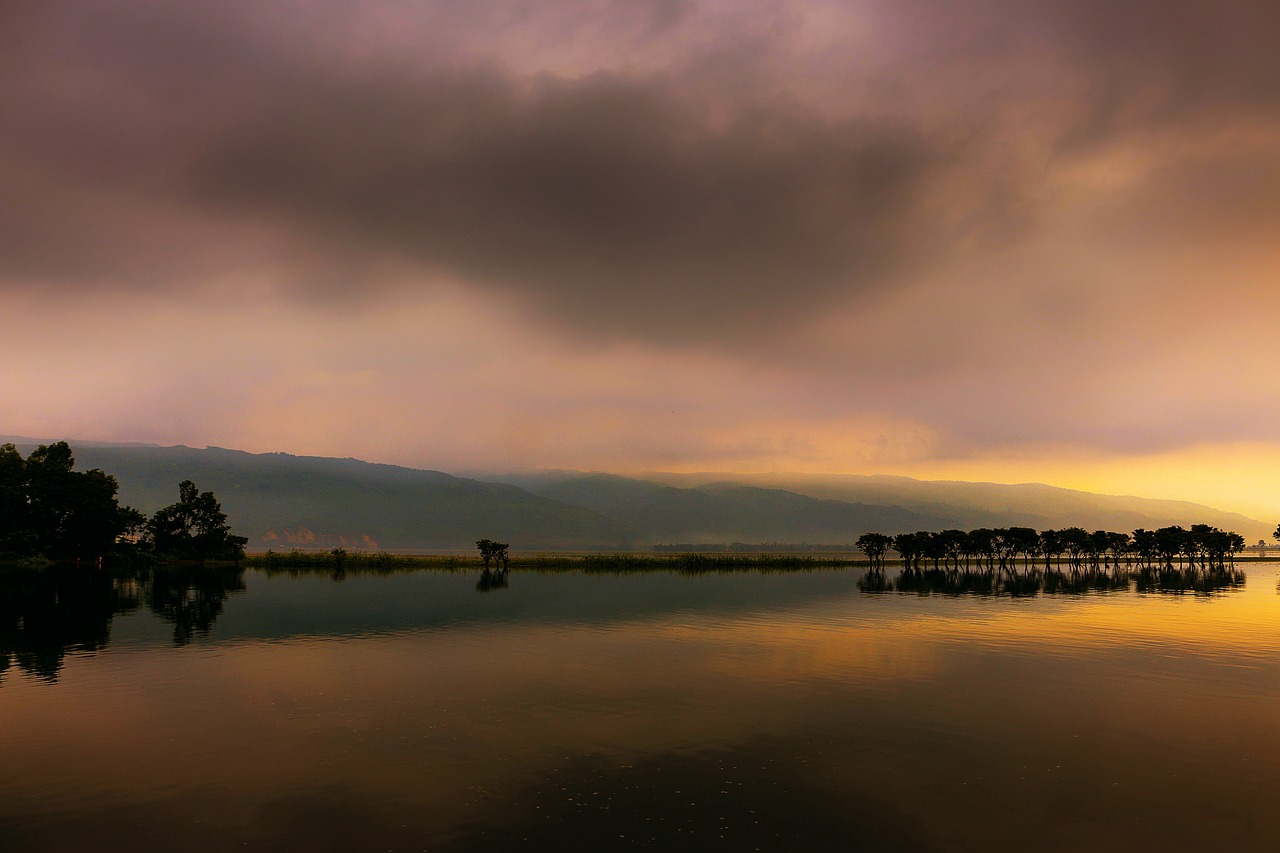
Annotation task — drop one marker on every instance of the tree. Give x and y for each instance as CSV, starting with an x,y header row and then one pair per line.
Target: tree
x,y
953,543
1235,544
982,543
933,547
1075,541
1024,541
1170,542
909,547
491,550
1051,545
195,528
874,545
1146,544
1098,543
1121,546
49,509
15,535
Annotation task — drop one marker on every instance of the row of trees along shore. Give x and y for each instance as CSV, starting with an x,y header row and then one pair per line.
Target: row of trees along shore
x,y
1004,547
50,511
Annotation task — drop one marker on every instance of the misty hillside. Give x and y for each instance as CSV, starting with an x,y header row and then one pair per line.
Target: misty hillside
x,y
730,513
1028,504
281,501
888,504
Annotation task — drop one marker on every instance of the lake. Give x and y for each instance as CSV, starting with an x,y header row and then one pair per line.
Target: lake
x,y
728,711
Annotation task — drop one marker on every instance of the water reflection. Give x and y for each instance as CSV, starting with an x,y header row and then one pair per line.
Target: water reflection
x,y
1077,580
491,580
1178,579
191,597
47,614
735,712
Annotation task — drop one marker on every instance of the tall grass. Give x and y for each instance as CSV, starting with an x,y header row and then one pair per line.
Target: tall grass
x,y
380,561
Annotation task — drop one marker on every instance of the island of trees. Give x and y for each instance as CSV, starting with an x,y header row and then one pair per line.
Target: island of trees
x,y
1020,561
1003,547
49,510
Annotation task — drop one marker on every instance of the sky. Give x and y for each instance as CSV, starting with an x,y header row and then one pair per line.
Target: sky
x,y
993,240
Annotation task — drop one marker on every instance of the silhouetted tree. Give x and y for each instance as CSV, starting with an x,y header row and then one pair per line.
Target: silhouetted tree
x,y
1235,544
1024,541
1145,545
983,544
874,545
15,535
49,509
1170,543
1051,545
495,551
1075,541
953,544
195,528
909,547
1119,545
934,547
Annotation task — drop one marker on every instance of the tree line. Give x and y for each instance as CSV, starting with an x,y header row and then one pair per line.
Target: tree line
x,y
50,510
1003,547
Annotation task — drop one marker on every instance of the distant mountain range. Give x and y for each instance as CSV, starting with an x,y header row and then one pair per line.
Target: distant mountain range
x,y
282,501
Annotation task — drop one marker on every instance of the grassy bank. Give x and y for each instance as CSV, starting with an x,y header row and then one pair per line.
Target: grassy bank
x,y
339,560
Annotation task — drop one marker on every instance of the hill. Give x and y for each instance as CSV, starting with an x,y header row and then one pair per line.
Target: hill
x,y
726,512
880,503
281,501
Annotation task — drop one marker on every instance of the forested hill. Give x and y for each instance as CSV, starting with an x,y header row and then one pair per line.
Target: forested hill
x,y
669,502
281,501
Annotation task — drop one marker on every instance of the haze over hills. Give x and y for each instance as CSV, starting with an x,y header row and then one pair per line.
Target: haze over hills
x,y
282,501
910,504
979,504
725,512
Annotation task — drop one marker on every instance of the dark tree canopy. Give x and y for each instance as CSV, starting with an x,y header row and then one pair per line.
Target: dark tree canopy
x,y
195,528
491,550
49,509
874,545
1201,544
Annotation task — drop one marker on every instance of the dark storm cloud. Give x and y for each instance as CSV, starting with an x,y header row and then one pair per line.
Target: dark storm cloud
x,y
1204,55
160,145
598,195
155,150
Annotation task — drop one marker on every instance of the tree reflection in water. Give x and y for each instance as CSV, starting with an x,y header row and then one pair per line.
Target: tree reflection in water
x,y
191,597
46,614
1201,580
49,613
491,580
989,582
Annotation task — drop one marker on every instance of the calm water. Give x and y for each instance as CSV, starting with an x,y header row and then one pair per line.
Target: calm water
x,y
793,711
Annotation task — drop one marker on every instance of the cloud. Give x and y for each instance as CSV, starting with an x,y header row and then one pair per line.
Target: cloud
x,y
169,151
1003,222
625,169
605,200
